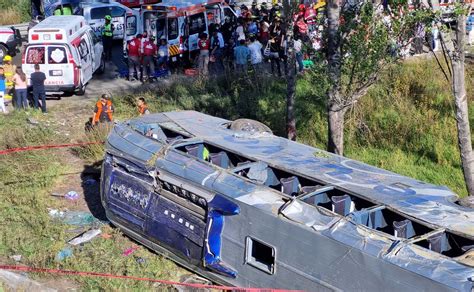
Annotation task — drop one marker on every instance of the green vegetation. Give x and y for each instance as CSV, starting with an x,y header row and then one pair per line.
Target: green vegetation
x,y
14,12
27,229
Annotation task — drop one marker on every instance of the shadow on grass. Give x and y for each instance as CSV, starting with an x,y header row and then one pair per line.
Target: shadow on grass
x,y
90,177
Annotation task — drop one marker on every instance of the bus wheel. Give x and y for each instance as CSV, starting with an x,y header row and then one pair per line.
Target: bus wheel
x,y
247,125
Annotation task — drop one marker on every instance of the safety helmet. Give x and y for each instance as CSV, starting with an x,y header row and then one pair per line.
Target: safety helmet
x,y
108,17
105,96
7,58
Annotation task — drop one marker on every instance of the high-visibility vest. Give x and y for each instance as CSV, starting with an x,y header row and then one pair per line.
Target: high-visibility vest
x,y
100,108
107,31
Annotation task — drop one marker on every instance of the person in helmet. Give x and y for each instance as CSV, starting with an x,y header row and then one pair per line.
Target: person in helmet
x,y
103,111
107,37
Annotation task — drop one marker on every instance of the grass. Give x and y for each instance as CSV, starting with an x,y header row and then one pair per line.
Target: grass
x,y
14,12
26,182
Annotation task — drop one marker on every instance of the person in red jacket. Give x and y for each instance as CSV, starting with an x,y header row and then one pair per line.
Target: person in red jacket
x,y
204,45
149,55
134,56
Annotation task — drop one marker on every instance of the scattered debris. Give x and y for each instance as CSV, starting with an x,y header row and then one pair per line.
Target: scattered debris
x,y
32,121
79,218
90,182
72,195
64,254
106,236
192,279
57,195
130,250
85,237
140,260
16,257
11,281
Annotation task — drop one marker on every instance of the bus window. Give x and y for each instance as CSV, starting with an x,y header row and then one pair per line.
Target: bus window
x,y
172,28
197,23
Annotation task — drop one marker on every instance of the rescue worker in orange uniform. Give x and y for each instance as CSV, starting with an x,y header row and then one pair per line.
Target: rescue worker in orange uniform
x,y
142,107
103,111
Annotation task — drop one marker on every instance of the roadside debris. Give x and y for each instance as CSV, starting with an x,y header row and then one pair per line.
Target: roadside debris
x,y
90,182
79,218
16,257
72,195
85,237
130,250
32,121
64,254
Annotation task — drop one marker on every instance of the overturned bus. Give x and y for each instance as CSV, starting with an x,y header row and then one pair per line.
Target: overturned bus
x,y
240,206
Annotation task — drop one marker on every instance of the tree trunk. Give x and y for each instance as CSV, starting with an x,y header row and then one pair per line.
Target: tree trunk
x,y
335,114
290,100
290,78
336,130
461,105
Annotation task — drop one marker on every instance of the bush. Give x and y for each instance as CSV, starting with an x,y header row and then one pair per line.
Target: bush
x,y
14,12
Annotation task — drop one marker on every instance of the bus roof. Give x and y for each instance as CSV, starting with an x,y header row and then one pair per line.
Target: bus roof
x,y
432,204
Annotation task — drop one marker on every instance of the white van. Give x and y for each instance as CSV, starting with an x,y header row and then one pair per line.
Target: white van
x,y
68,52
95,13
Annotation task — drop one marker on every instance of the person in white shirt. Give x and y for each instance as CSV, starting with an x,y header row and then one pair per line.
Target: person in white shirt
x,y
298,46
240,31
256,57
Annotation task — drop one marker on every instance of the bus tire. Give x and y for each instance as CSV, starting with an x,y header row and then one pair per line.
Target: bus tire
x,y
248,125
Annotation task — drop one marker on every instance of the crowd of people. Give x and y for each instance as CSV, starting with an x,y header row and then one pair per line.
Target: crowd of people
x,y
14,85
256,37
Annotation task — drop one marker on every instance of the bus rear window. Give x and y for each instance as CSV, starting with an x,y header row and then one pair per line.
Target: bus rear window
x,y
35,55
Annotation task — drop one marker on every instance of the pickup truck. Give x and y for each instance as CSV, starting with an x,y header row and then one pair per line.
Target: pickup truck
x,y
10,41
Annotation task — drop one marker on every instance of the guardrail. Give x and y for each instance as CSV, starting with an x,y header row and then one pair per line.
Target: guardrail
x,y
23,27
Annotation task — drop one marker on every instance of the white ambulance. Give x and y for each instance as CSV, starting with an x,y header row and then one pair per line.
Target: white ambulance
x,y
67,51
95,13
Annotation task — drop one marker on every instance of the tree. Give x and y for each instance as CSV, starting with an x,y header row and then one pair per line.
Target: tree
x,y
458,86
362,40
289,9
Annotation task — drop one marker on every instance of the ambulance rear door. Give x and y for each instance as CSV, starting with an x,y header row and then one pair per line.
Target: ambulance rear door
x,y
86,64
54,61
196,24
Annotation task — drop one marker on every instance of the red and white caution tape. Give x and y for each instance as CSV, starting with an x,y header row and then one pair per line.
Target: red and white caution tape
x,y
39,147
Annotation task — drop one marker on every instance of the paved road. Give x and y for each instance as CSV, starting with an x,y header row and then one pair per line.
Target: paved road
x,y
108,82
